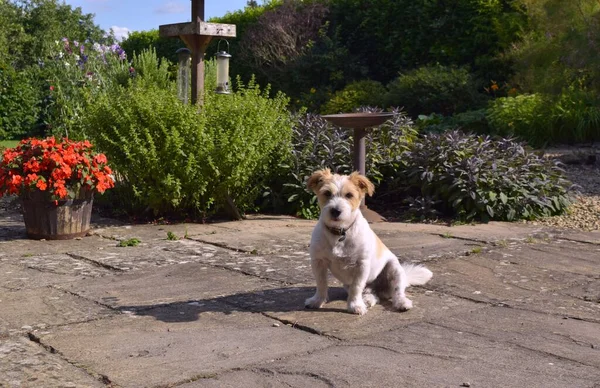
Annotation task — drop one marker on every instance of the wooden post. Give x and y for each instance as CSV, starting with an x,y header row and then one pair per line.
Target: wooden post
x,y
197,35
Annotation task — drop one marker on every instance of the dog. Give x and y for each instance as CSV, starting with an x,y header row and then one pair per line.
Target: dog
x,y
344,243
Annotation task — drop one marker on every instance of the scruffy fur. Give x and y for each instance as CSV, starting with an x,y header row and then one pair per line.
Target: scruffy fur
x,y
343,243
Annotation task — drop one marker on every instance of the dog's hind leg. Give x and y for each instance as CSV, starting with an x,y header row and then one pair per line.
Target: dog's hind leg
x,y
391,284
369,297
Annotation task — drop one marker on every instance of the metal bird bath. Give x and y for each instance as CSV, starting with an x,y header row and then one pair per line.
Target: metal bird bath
x,y
359,122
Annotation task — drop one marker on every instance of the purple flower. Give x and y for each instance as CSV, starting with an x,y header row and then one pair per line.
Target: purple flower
x,y
82,49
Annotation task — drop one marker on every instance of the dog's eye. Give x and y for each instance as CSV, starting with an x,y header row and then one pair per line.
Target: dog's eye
x,y
327,193
349,195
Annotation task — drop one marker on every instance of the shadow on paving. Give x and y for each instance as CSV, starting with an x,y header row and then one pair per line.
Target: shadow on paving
x,y
278,300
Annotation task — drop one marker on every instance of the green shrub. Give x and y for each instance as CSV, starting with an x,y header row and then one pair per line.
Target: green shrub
x,y
526,116
473,121
577,116
572,116
316,144
250,134
172,160
19,106
74,77
157,147
434,89
355,95
470,177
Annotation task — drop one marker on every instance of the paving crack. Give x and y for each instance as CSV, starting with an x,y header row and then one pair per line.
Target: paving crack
x,y
221,245
274,373
516,344
247,273
578,240
49,348
94,262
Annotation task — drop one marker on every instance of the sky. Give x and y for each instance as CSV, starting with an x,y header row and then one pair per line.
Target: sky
x,y
142,15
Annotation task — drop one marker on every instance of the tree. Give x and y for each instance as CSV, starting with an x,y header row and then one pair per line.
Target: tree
x,y
44,22
137,41
561,47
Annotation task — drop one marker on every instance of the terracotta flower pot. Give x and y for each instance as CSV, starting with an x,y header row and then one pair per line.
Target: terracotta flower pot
x,y
57,220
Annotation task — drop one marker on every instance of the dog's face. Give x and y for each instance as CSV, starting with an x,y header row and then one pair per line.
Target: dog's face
x,y
339,196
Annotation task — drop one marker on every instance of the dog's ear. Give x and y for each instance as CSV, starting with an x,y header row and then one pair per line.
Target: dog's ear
x,y
317,178
363,183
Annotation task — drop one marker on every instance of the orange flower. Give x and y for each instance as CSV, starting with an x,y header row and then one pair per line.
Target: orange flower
x,y
41,185
100,159
53,166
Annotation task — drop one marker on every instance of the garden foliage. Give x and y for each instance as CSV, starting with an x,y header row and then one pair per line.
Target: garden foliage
x,y
434,89
471,178
171,159
355,95
316,144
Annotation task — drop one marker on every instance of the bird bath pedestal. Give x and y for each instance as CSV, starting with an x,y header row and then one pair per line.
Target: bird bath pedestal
x,y
359,122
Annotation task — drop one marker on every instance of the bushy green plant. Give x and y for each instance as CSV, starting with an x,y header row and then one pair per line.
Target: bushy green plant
x,y
570,117
173,160
474,121
77,74
434,89
19,107
316,144
469,177
527,116
250,134
156,146
576,114
355,95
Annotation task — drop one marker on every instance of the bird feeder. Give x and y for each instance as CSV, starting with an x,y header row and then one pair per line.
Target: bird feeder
x,y
223,70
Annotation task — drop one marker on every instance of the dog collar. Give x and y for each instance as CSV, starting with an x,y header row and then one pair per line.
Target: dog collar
x,y
339,231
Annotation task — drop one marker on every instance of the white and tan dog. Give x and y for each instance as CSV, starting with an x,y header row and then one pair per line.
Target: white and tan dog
x,y
343,242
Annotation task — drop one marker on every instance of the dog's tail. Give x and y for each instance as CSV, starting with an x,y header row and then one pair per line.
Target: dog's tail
x,y
416,274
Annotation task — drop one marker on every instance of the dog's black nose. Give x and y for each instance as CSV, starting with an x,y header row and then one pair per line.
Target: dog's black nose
x,y
335,213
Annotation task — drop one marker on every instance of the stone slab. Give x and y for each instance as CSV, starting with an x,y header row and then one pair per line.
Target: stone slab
x,y
287,304
289,266
151,254
426,355
256,233
175,344
555,255
29,309
571,339
14,277
23,247
489,279
164,285
58,264
480,233
420,247
24,363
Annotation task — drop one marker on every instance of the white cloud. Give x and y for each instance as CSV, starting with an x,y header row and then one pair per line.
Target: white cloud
x,y
120,32
172,7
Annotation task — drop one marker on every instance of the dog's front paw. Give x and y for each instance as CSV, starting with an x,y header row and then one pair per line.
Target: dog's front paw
x,y
314,303
402,304
357,307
